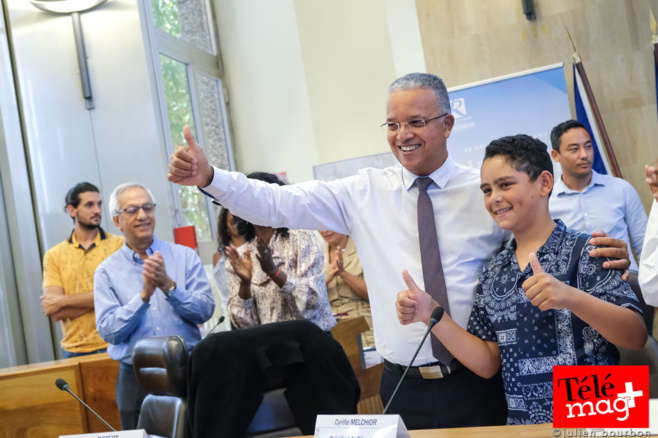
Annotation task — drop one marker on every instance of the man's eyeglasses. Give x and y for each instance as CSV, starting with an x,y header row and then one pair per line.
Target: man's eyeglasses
x,y
132,210
392,128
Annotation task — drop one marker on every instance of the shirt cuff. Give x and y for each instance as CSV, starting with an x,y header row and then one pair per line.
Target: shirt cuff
x,y
136,303
220,178
246,304
288,287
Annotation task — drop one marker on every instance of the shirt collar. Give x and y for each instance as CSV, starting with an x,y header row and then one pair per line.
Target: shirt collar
x,y
597,180
551,246
440,176
97,240
554,241
134,256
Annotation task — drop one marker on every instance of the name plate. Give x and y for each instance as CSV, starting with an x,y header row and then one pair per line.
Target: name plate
x,y
360,426
140,433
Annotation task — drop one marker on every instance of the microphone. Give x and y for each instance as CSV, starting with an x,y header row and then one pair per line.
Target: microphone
x,y
436,316
62,385
221,320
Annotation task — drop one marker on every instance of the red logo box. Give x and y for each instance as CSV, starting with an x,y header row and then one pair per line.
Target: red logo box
x,y
601,396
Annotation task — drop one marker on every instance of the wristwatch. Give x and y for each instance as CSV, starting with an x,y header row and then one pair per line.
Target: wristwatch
x,y
170,290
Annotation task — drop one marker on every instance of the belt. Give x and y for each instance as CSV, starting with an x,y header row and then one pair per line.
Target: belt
x,y
435,370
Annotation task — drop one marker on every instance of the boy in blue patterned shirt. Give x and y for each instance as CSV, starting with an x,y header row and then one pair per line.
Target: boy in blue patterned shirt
x,y
542,301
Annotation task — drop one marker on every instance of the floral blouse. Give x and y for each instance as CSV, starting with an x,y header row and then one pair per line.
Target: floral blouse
x,y
303,296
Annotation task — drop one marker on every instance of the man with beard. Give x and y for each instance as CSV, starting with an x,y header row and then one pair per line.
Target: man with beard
x,y
68,272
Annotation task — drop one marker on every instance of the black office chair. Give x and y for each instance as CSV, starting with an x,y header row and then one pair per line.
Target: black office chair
x,y
647,310
646,356
268,381
160,365
274,417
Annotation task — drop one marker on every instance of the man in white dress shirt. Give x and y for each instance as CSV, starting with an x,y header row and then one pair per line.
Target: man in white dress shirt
x,y
378,209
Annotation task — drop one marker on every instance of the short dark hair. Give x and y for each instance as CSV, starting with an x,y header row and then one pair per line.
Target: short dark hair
x,y
223,236
522,152
559,130
246,228
73,195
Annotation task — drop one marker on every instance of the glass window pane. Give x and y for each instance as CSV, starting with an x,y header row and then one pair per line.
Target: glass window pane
x,y
211,107
165,15
179,112
185,19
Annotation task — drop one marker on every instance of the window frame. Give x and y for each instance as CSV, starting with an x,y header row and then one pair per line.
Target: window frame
x,y
196,61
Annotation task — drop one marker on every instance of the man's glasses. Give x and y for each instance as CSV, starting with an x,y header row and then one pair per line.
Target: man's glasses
x,y
392,128
132,210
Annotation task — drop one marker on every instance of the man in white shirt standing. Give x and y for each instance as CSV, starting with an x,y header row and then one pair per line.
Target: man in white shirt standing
x,y
588,201
378,209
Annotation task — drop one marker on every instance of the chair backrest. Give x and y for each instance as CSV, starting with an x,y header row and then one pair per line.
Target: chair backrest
x,y
646,356
160,365
647,310
274,417
268,381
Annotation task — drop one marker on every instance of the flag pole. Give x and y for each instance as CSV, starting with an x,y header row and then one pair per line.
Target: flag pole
x,y
612,159
654,37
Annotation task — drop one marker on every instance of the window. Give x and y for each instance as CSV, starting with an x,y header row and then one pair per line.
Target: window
x,y
189,82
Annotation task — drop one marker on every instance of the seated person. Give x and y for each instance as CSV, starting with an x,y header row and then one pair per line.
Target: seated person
x,y
227,235
278,275
524,294
347,290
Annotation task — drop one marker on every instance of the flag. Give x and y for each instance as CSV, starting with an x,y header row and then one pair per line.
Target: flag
x,y
587,113
584,114
654,43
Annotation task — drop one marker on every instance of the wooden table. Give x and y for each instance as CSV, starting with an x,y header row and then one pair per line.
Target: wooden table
x,y
529,431
32,406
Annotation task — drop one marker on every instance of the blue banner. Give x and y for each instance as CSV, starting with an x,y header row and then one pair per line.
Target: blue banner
x,y
529,103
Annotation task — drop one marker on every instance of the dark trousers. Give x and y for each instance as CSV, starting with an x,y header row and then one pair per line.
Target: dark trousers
x,y
459,400
129,396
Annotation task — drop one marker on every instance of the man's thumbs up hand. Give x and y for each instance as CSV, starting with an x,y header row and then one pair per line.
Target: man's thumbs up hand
x,y
188,165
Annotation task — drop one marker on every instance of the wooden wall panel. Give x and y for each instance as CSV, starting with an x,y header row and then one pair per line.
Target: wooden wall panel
x,y
466,41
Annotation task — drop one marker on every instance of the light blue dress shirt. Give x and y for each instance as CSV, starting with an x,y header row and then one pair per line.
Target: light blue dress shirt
x,y
377,208
607,204
122,318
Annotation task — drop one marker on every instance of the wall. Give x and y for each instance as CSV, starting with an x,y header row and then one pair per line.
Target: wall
x,y
117,141
49,142
264,74
349,64
308,79
471,40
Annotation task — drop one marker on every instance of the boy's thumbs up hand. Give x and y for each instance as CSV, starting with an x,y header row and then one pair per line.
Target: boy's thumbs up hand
x,y
543,290
414,304
534,264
